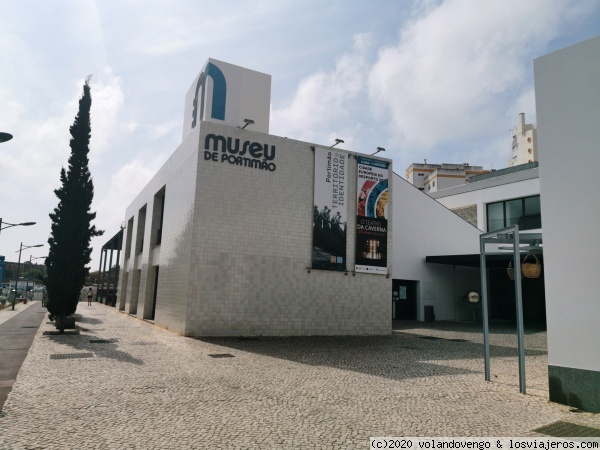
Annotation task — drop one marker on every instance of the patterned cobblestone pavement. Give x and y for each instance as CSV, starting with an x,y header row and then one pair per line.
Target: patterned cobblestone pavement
x,y
123,383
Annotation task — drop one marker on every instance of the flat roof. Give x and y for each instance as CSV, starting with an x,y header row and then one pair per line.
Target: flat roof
x,y
498,178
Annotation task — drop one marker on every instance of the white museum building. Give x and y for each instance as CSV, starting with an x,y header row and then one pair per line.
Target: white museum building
x,y
242,233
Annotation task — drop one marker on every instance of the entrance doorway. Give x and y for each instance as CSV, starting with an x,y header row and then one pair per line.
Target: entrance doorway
x,y
404,300
503,303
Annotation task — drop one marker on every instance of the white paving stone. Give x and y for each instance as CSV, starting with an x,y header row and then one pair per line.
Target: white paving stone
x,y
149,388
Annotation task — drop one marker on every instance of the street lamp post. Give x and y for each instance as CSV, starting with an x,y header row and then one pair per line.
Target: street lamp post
x,y
21,248
29,276
9,225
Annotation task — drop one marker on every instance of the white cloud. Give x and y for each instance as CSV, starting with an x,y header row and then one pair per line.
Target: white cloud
x,y
171,127
455,69
116,195
163,29
130,178
325,101
107,103
524,103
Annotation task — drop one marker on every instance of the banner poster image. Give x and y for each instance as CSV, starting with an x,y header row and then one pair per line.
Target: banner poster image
x,y
371,216
330,210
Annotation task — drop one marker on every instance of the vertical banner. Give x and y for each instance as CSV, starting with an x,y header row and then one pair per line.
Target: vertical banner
x,y
371,216
330,210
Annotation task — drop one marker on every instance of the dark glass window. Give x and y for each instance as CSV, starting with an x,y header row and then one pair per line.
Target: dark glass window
x,y
533,219
495,216
513,212
525,212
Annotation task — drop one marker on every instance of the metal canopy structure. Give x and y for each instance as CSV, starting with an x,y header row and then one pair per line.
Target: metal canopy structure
x,y
517,242
110,277
492,260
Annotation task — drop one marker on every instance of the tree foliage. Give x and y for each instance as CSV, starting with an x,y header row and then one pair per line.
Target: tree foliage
x,y
72,230
33,274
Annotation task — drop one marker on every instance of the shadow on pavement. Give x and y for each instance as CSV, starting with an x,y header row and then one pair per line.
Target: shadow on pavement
x,y
402,355
103,348
503,327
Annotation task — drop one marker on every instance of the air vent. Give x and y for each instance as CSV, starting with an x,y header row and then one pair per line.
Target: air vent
x,y
71,355
567,429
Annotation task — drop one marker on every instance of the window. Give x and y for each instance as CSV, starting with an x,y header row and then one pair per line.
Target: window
x,y
525,212
158,212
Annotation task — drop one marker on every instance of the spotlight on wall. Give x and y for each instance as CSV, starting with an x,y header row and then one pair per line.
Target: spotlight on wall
x,y
379,149
337,141
247,122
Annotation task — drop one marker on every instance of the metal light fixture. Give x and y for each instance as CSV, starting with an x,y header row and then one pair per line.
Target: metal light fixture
x,y
379,149
31,258
338,141
21,248
9,225
247,122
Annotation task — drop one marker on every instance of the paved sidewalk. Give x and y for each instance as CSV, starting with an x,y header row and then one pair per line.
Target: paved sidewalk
x,y
7,313
17,331
124,383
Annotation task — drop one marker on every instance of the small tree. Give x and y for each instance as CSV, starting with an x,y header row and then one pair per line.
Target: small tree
x,y
33,274
92,277
72,231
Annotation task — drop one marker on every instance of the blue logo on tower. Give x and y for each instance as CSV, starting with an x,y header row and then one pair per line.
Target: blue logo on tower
x,y
219,96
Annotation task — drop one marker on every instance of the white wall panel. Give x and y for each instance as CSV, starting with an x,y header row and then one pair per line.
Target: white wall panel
x,y
568,113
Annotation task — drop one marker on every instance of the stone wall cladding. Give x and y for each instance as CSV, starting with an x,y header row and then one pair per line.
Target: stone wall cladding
x,y
468,213
252,245
178,175
237,245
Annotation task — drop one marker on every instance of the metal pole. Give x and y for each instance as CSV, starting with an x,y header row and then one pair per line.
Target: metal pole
x,y
105,279
484,311
519,301
111,275
17,279
99,276
27,281
118,274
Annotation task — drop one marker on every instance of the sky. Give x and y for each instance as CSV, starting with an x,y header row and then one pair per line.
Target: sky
x,y
425,79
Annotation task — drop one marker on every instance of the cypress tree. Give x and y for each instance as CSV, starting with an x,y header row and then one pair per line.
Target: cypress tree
x,y
72,230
